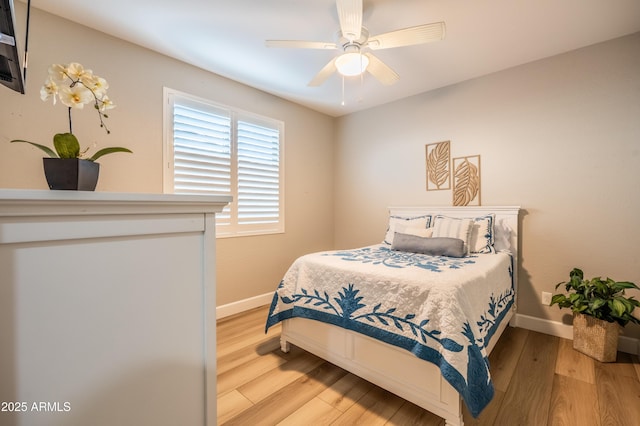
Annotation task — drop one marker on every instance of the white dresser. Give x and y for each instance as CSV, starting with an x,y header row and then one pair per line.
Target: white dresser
x,y
107,308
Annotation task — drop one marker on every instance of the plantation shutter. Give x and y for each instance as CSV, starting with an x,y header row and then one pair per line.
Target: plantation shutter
x,y
215,150
258,174
202,153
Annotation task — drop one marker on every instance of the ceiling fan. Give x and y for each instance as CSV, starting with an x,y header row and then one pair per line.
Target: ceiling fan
x,y
353,39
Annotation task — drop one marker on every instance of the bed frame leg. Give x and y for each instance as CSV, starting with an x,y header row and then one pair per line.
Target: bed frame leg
x,y
284,345
455,423
456,420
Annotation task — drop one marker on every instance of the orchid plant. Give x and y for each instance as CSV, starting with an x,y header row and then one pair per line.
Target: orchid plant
x,y
76,87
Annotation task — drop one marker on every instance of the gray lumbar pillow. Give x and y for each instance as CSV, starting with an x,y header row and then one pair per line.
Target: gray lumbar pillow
x,y
441,246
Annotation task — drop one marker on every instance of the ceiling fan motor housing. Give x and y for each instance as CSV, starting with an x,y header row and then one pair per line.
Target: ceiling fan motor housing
x,y
349,46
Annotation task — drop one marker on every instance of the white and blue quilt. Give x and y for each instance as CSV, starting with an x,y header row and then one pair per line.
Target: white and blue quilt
x,y
444,310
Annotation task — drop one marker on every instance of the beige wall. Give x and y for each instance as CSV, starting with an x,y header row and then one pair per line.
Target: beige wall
x,y
247,266
559,137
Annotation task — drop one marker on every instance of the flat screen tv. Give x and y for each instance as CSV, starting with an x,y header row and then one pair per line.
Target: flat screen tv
x,y
10,69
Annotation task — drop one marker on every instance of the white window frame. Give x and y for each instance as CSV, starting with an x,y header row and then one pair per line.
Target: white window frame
x,y
233,228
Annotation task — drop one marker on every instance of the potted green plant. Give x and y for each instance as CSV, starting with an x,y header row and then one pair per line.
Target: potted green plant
x,y
68,166
600,311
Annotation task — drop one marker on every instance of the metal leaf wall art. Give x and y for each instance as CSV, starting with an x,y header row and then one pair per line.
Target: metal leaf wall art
x,y
466,181
438,166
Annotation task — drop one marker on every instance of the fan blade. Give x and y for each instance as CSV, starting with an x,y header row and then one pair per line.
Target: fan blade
x,y
324,73
381,71
350,16
408,36
300,44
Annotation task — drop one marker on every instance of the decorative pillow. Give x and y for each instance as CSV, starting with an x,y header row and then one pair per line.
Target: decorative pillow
x,y
420,222
418,232
482,234
452,247
451,227
502,236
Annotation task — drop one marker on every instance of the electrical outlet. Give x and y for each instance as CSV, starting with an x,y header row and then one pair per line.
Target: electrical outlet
x,y
546,298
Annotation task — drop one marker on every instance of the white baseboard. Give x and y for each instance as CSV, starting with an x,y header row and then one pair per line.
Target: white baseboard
x,y
243,305
629,345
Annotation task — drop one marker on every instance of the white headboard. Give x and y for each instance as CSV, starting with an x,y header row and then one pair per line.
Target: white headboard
x,y
506,214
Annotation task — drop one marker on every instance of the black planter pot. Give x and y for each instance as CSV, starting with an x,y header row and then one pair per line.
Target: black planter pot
x,y
71,173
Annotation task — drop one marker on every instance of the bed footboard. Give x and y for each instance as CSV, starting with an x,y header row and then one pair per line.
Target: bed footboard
x,y
409,377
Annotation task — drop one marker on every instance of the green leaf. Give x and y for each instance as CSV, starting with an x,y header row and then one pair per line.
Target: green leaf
x,y
576,273
66,145
617,307
623,285
601,288
559,299
597,304
105,151
575,298
46,149
628,306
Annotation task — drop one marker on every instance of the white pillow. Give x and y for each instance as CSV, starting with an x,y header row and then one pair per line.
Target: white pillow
x,y
418,232
482,234
502,236
452,227
416,222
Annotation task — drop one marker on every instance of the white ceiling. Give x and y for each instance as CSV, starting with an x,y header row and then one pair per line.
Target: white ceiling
x,y
227,37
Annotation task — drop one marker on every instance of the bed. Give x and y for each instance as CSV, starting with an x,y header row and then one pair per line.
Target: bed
x,y
419,325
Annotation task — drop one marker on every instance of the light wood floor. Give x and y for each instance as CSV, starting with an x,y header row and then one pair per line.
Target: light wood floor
x,y
539,380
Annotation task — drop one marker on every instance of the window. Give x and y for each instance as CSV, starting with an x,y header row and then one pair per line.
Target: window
x,y
216,150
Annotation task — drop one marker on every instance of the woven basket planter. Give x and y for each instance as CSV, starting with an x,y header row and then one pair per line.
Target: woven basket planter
x,y
595,337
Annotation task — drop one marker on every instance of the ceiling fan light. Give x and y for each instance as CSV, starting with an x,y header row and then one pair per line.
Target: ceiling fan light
x,y
351,64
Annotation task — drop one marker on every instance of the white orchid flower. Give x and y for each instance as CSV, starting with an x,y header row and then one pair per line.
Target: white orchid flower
x,y
76,72
76,96
99,86
105,103
57,73
49,90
